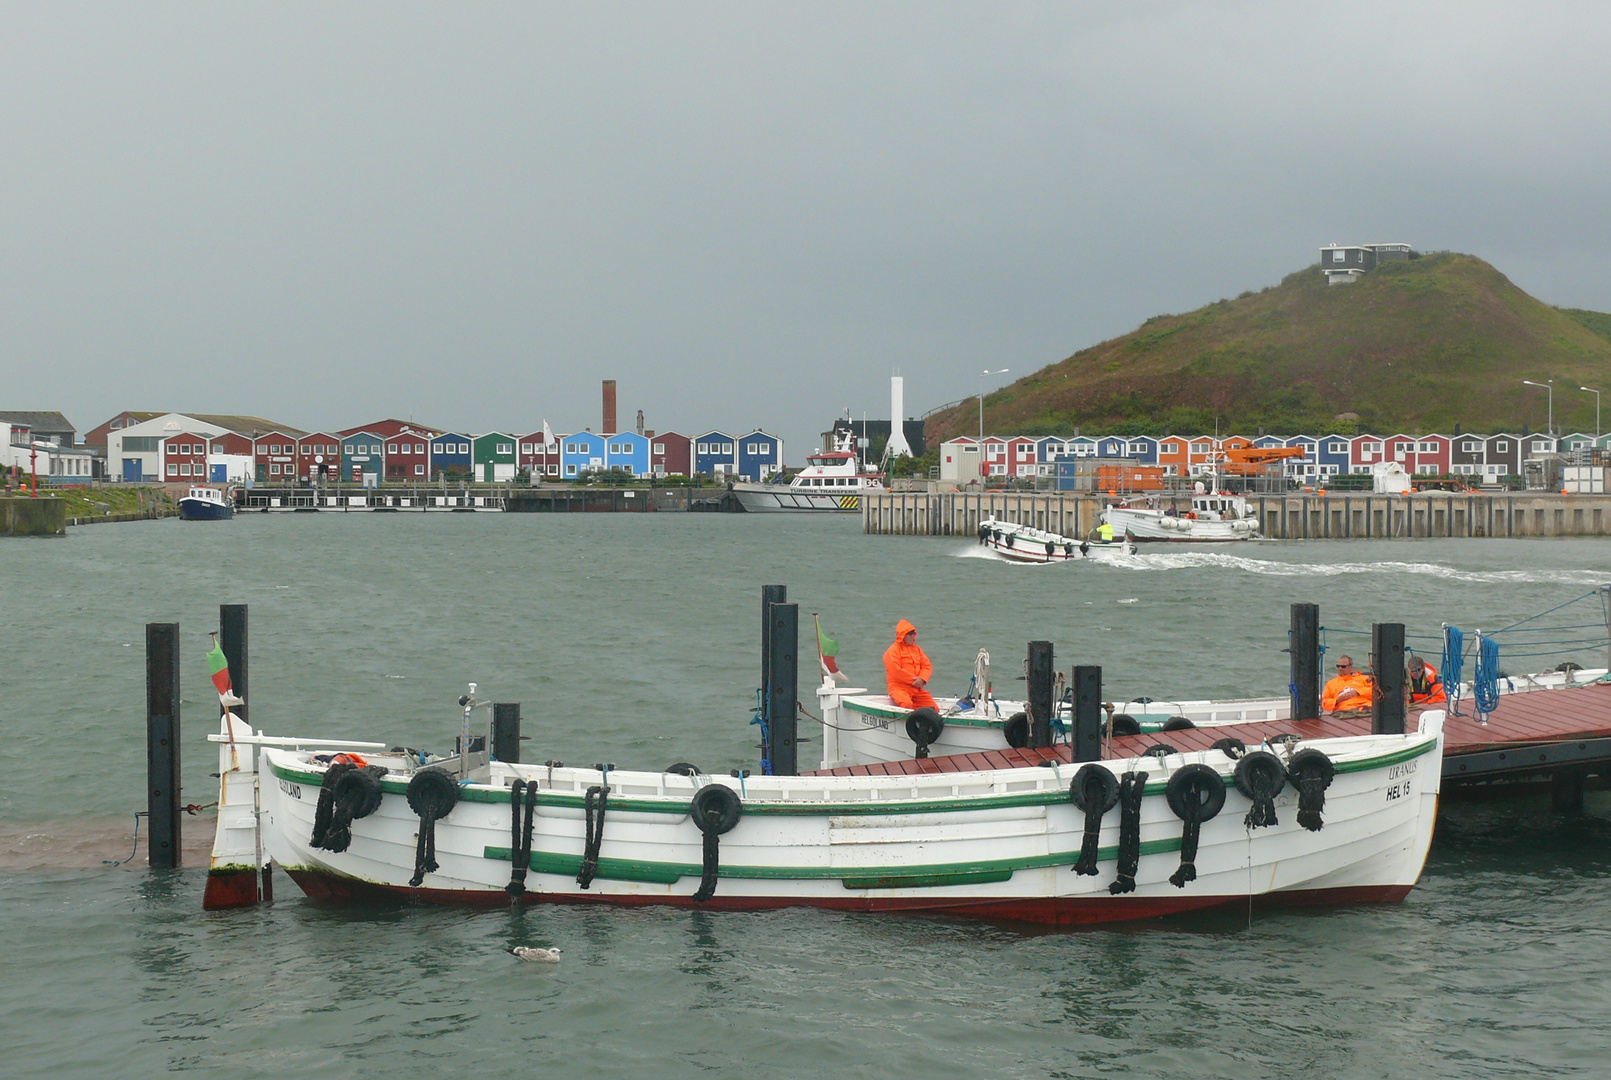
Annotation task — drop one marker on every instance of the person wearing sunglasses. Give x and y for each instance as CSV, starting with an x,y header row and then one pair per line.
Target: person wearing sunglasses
x,y
1350,691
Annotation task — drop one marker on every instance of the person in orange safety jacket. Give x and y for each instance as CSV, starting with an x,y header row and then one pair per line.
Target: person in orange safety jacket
x,y
1425,686
1350,690
908,669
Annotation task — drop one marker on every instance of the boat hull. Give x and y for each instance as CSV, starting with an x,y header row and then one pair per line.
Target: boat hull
x,y
992,844
201,510
776,498
1154,526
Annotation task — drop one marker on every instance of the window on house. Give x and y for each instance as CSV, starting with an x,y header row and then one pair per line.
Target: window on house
x,y
1339,255
525,448
659,448
704,448
553,470
173,470
419,470
391,448
1501,446
506,448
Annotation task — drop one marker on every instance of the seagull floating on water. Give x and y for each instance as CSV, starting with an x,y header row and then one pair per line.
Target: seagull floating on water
x,y
538,956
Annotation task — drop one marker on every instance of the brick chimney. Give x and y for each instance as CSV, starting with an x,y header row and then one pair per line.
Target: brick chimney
x,y
609,406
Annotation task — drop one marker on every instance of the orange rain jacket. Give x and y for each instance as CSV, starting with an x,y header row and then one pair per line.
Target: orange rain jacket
x,y
902,664
1429,689
1358,682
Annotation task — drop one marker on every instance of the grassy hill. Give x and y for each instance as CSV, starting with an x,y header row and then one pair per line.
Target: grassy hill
x,y
1412,346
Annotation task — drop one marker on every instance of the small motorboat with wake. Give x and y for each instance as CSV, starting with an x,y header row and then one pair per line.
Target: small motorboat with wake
x,y
206,504
1025,543
1214,516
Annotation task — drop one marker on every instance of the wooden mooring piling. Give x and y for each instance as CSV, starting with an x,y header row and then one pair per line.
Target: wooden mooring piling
x,y
1281,517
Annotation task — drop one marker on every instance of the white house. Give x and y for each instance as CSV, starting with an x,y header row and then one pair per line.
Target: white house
x,y
135,452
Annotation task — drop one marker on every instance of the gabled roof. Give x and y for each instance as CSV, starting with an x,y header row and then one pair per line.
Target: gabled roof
x,y
250,426
42,423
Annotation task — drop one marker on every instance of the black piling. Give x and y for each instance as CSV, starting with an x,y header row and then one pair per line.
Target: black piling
x,y
1304,646
770,594
1387,664
1087,736
506,731
1040,693
232,640
162,693
782,697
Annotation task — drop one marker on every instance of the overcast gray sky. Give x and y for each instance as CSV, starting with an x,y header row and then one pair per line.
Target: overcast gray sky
x,y
746,214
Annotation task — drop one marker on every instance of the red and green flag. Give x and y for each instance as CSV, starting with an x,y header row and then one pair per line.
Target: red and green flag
x,y
220,671
828,648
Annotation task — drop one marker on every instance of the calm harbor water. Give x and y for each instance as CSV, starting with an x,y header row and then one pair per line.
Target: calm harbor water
x,y
635,639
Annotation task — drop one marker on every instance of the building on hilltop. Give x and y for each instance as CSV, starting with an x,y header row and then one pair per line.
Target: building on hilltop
x,y
1342,263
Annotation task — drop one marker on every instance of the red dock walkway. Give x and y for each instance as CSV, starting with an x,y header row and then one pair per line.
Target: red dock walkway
x,y
1537,731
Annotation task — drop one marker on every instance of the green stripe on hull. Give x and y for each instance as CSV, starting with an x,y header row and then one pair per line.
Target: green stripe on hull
x,y
650,805
854,877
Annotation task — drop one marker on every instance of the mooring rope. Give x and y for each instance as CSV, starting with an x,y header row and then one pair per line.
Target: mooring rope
x,y
1132,789
1485,675
594,828
520,838
1095,791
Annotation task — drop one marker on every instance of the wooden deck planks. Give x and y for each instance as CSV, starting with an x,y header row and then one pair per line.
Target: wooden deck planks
x,y
1539,716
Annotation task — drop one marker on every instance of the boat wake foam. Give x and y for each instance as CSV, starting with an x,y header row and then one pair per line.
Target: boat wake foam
x,y
1190,560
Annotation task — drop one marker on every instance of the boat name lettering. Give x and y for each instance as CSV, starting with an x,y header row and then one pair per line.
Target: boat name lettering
x,y
875,721
1403,769
291,789
1398,791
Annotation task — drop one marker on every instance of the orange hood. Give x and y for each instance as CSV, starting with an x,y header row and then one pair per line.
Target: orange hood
x,y
903,628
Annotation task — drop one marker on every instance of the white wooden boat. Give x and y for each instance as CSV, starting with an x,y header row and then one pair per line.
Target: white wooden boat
x,y
999,844
1025,543
1213,517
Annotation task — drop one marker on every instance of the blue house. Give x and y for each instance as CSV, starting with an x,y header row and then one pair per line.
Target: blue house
x,y
581,454
1266,442
1142,448
759,455
1110,446
1049,451
450,455
363,453
627,451
715,454
1080,446
1331,454
1309,464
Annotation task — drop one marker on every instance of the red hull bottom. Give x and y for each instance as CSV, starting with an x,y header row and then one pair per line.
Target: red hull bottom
x,y
1063,911
229,889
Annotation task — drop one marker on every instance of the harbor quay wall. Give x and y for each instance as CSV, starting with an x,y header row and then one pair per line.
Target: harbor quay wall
x,y
1281,517
24,516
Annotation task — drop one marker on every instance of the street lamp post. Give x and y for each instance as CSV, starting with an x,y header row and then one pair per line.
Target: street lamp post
x,y
1596,394
982,374
1550,387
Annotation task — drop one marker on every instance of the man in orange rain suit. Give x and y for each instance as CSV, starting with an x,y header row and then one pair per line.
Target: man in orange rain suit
x,y
1425,686
1349,691
907,669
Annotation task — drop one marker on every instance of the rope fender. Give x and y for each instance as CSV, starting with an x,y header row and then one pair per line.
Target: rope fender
x,y
715,810
354,792
520,838
923,727
1196,794
594,827
1260,776
1311,772
1132,788
1095,790
432,794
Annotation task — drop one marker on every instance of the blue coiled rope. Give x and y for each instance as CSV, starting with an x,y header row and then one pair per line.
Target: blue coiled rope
x,y
1485,676
1454,645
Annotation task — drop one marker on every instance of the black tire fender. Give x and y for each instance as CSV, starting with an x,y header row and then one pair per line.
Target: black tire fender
x,y
1178,723
1260,765
1198,782
924,722
1094,787
432,790
718,800
1016,729
1124,724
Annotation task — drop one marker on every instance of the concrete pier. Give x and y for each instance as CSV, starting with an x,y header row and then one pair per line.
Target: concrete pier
x,y
1281,517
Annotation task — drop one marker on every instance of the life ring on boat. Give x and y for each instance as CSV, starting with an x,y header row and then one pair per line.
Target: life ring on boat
x,y
1017,730
923,727
1177,723
1230,746
1311,773
1159,751
1094,788
1124,724
683,768
1260,776
716,809
1198,784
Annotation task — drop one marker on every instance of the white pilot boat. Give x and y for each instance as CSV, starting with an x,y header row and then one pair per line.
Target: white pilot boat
x,y
1061,844
1214,516
1025,543
831,483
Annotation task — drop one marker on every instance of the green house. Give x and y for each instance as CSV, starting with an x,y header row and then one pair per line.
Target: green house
x,y
494,455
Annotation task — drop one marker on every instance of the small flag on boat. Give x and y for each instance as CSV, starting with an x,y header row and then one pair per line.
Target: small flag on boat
x,y
829,648
220,672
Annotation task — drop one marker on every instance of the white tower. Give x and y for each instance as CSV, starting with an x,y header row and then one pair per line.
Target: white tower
x,y
897,445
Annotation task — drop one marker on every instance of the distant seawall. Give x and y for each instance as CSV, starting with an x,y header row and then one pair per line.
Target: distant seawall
x,y
23,516
1282,517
